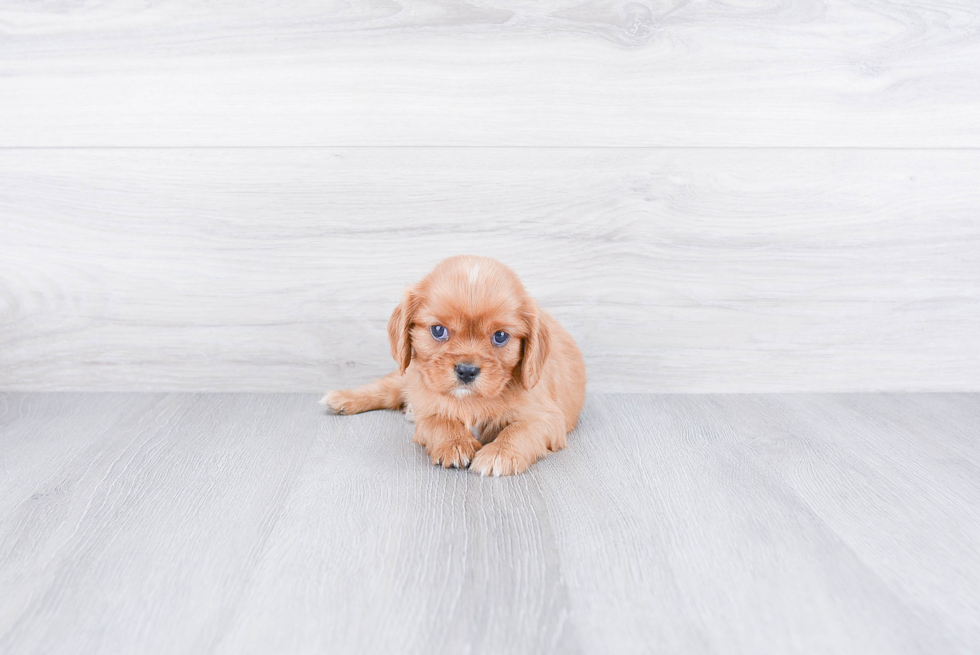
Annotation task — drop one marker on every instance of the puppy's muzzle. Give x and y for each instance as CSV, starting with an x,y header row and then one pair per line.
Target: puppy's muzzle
x,y
466,373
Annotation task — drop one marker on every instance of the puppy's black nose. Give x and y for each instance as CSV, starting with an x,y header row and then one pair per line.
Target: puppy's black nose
x,y
467,372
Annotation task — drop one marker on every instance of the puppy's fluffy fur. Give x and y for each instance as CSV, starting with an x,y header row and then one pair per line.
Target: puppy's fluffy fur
x,y
527,395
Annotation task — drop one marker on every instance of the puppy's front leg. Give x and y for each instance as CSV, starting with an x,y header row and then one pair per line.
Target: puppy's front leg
x,y
519,445
385,393
448,442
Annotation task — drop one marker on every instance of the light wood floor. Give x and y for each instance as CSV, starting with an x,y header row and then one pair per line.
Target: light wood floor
x,y
236,523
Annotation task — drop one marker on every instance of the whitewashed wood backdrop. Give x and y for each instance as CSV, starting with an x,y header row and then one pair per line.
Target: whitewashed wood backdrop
x,y
713,196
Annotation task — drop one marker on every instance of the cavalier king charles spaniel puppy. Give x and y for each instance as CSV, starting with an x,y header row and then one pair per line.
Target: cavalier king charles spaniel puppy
x,y
493,382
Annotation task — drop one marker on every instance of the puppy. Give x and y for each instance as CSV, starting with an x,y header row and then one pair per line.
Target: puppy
x,y
493,381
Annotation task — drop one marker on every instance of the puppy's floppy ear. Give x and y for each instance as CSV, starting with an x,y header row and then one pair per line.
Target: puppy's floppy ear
x,y
534,350
399,328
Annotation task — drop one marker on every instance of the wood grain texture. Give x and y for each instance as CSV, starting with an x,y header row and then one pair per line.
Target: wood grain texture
x,y
435,72
719,524
164,514
676,270
728,528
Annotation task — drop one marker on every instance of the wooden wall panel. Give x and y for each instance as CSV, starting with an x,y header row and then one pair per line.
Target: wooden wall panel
x,y
676,269
563,73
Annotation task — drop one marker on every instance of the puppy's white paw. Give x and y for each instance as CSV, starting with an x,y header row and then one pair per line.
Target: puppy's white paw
x,y
334,402
409,413
454,452
494,459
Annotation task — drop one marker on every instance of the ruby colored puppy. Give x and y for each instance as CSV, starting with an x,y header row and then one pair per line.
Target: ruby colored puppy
x,y
476,356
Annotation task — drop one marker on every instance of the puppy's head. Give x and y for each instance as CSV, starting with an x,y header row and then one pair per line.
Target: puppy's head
x,y
469,328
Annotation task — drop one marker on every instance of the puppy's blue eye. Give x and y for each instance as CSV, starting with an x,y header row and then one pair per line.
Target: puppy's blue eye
x,y
500,338
439,333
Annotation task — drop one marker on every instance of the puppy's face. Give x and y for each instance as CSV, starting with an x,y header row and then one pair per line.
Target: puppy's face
x,y
469,329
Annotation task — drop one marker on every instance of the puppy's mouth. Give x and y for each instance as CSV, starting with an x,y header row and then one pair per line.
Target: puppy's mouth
x,y
461,392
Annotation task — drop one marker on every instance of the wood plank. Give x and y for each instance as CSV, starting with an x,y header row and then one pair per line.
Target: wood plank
x,y
552,73
675,536
143,542
233,523
39,438
894,481
676,270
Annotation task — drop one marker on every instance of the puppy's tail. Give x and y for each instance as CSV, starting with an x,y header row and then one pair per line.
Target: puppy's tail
x,y
386,393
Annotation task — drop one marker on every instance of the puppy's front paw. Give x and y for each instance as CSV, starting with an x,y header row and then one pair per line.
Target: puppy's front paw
x,y
496,459
339,402
454,452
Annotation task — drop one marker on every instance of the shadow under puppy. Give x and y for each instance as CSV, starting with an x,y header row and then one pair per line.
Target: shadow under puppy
x,y
493,381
